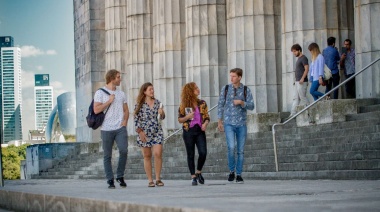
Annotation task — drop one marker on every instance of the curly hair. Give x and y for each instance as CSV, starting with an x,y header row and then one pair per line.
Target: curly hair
x,y
141,97
111,75
188,98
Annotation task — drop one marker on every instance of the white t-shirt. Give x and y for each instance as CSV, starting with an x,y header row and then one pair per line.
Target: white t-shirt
x,y
115,114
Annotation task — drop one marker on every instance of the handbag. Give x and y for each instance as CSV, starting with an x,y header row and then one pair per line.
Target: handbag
x,y
327,73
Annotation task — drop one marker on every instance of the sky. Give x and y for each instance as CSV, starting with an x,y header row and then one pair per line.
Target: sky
x,y
44,30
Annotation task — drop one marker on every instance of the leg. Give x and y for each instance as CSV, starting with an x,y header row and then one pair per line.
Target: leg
x,y
329,85
107,143
241,135
296,99
314,90
302,93
147,154
122,144
157,153
202,150
335,81
230,138
190,149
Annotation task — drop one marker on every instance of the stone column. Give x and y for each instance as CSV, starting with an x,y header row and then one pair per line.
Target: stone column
x,y
304,22
254,45
367,49
116,35
206,48
89,38
139,46
169,55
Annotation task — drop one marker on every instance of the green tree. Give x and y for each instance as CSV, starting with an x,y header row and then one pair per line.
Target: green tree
x,y
11,160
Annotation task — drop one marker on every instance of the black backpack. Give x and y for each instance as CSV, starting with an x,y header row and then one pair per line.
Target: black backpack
x,y
226,90
94,121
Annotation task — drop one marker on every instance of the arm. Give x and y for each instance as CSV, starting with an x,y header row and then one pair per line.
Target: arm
x,y
249,104
221,103
304,75
320,65
126,115
206,116
138,126
99,106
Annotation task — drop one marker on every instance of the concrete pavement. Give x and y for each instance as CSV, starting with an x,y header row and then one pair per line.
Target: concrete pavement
x,y
179,195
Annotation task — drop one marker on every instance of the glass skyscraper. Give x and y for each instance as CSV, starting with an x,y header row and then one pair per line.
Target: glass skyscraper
x,y
10,87
43,97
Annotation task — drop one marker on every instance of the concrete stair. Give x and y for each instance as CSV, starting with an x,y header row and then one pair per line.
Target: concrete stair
x,y
342,150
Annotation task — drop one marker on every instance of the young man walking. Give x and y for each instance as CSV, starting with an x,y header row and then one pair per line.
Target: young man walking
x,y
301,70
332,58
113,128
234,101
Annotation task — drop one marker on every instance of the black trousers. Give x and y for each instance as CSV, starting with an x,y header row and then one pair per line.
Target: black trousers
x,y
195,137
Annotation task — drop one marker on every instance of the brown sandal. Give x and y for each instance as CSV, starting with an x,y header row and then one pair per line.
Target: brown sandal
x,y
151,184
159,183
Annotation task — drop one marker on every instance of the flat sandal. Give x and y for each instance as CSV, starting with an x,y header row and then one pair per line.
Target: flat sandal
x,y
159,183
151,184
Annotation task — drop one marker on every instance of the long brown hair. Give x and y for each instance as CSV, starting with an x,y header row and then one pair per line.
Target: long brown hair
x,y
314,50
188,98
141,97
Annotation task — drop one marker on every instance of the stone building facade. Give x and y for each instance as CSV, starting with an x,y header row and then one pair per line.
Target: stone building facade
x,y
172,42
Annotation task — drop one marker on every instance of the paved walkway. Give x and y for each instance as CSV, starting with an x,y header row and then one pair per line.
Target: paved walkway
x,y
292,195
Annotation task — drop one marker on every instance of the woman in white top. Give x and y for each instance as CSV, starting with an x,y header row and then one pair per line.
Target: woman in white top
x,y
316,70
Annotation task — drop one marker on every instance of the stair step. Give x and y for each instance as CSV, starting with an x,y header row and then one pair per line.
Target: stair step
x,y
369,108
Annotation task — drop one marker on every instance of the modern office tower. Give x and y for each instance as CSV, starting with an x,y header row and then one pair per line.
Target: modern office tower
x,y
11,99
5,41
43,100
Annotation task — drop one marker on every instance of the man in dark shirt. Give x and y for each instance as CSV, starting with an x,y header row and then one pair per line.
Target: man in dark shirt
x,y
332,59
301,71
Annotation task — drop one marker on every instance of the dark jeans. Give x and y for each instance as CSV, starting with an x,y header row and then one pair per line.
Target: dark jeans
x,y
332,83
350,87
195,137
119,136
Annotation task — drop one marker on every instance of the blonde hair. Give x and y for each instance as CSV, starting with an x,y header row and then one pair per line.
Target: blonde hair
x,y
314,50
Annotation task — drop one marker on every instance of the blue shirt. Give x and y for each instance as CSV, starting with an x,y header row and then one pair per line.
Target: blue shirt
x,y
349,63
332,58
232,114
317,68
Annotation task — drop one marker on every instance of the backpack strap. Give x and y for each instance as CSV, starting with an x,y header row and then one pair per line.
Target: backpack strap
x,y
105,91
245,93
226,90
225,93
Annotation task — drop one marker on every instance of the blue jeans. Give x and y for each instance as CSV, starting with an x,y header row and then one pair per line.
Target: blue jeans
x,y
240,133
314,90
119,136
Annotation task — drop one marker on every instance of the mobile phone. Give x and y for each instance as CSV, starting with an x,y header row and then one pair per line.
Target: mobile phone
x,y
344,50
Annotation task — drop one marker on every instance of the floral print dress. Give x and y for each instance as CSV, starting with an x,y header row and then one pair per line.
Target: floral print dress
x,y
147,120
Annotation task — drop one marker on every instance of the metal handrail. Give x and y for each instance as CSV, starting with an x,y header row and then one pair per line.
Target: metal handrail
x,y
179,130
321,98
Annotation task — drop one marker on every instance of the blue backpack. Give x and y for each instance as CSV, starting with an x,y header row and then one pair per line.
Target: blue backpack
x,y
94,121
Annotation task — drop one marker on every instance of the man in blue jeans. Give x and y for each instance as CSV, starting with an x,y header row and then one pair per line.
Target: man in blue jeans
x,y
113,128
234,101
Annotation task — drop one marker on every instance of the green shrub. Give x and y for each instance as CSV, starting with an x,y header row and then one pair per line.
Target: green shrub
x,y
11,160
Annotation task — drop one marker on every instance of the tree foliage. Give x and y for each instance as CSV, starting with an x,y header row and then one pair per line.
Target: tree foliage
x,y
11,160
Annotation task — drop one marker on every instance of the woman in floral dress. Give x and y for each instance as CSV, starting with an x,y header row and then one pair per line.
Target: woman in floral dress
x,y
150,135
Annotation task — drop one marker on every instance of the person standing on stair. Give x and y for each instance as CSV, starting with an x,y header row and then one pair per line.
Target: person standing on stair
x,y
148,112
301,70
113,128
194,117
234,101
347,63
316,70
332,58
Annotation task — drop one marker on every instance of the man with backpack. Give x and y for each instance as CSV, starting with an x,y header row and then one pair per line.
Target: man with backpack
x,y
113,128
234,101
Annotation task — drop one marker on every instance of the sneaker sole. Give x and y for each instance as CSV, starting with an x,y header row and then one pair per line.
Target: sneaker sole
x,y
241,182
